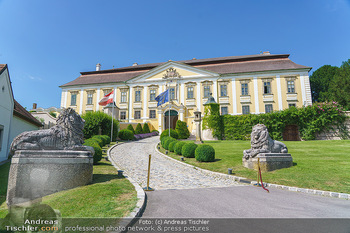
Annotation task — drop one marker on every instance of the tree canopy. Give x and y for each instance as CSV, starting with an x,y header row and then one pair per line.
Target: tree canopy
x,y
320,81
332,83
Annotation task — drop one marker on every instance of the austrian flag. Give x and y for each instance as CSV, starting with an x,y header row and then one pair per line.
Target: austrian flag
x,y
107,99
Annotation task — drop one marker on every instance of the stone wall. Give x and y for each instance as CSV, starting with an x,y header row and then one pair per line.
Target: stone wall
x,y
334,133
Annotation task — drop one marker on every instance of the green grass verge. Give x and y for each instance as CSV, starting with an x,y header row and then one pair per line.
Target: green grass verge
x,y
322,165
107,196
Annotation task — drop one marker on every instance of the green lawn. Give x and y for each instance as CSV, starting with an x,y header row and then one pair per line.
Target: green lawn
x,y
107,196
323,165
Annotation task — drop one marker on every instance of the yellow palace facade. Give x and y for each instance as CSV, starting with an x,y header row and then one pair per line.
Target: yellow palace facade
x,y
240,84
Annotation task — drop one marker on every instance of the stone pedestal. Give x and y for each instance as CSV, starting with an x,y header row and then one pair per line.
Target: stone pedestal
x,y
37,173
198,133
269,161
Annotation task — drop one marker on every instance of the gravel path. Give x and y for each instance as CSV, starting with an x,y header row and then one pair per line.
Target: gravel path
x,y
132,158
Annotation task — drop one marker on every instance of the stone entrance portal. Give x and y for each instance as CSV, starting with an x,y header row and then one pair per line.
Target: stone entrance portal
x,y
173,119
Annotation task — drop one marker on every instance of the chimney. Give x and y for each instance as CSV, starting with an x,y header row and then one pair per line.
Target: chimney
x,y
34,105
135,64
98,67
266,53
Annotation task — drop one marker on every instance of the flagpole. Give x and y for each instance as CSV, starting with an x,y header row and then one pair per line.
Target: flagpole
x,y
112,119
169,107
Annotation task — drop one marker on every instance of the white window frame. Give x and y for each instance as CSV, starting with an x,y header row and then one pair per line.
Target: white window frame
x,y
268,106
137,116
222,112
122,113
151,116
243,109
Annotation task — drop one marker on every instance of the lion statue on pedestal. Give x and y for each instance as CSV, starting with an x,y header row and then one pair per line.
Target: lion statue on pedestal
x,y
261,142
67,134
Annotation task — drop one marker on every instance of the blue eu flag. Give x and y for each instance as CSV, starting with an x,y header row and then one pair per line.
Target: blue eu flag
x,y
163,97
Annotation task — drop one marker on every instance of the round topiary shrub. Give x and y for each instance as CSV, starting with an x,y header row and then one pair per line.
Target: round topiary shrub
x,y
167,142
130,128
172,145
98,140
178,147
126,134
97,149
205,153
173,134
100,137
188,150
107,138
138,129
146,128
162,140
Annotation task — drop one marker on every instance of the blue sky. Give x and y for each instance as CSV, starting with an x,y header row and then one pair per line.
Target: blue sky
x,y
47,43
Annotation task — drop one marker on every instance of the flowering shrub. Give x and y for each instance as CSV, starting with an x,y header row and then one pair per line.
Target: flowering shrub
x,y
145,135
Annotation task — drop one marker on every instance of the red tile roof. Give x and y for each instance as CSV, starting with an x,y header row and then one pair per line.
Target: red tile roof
x,y
21,112
221,65
2,67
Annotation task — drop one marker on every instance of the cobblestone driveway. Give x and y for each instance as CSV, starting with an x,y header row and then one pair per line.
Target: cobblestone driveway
x,y
132,157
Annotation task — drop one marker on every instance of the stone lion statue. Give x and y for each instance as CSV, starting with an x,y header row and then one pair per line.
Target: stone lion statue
x,y
67,134
261,142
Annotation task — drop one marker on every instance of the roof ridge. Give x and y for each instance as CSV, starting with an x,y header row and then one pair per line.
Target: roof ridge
x,y
192,62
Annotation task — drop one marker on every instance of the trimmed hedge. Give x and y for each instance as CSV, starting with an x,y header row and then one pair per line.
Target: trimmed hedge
x,y
188,150
205,153
146,128
178,147
172,145
98,151
167,143
131,128
162,140
126,134
100,138
173,134
138,129
182,130
94,121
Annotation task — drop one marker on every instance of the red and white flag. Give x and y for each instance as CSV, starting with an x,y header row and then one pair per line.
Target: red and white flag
x,y
107,99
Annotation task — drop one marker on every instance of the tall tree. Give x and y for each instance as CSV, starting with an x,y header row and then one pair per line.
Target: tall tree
x,y
320,81
340,85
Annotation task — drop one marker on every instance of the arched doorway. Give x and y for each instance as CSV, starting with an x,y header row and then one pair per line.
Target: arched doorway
x,y
173,119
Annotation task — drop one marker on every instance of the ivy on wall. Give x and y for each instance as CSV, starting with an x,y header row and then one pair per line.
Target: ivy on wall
x,y
212,120
310,120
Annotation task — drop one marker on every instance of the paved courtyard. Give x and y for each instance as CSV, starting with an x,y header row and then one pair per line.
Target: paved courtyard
x,y
165,174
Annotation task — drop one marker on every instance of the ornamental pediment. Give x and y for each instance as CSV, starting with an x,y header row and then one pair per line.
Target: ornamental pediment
x,y
173,70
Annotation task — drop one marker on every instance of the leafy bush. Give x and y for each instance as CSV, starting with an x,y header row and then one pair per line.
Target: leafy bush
x,y
310,121
182,130
138,129
107,138
96,120
146,128
162,140
173,134
99,140
167,143
178,147
97,149
172,145
205,153
155,131
188,150
126,134
131,128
